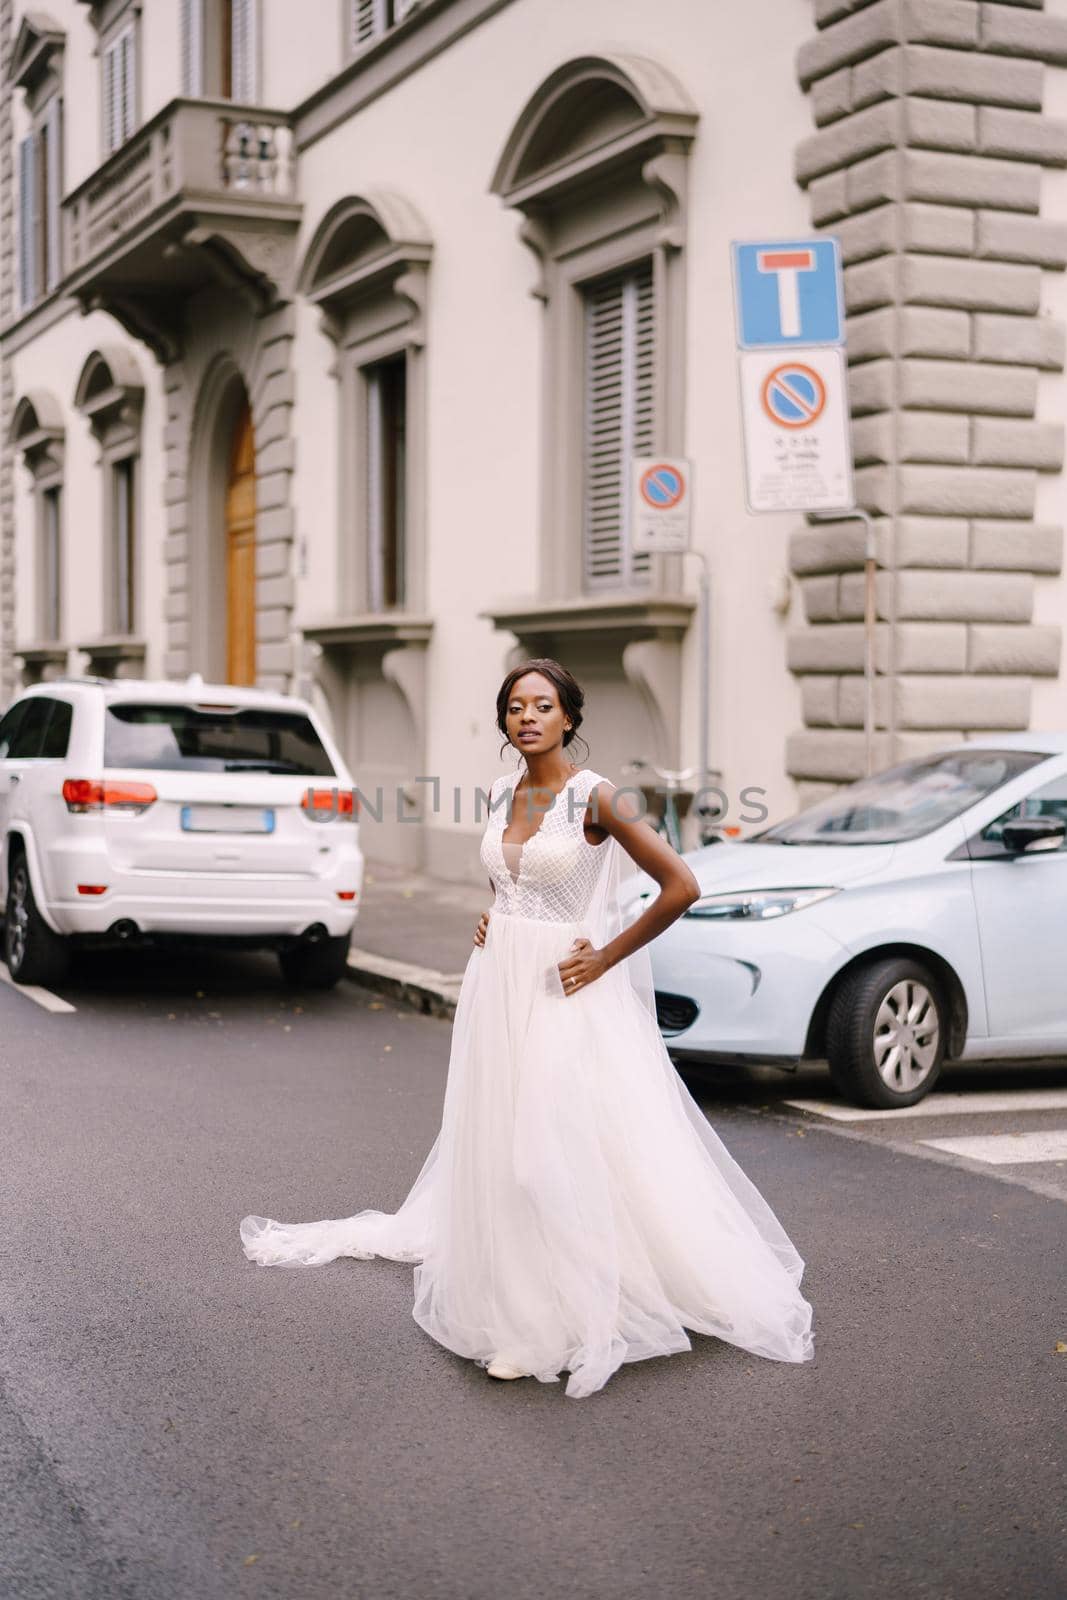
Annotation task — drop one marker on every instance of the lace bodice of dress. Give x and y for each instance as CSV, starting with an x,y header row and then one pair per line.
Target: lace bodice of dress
x,y
553,876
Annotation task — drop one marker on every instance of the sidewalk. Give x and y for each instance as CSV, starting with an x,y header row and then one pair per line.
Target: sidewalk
x,y
414,935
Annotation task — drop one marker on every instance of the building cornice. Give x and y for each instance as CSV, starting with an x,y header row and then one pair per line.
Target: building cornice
x,y
39,39
631,614
369,628
406,47
29,325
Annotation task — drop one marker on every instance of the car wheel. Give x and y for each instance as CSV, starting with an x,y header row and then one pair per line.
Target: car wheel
x,y
34,954
315,966
886,1034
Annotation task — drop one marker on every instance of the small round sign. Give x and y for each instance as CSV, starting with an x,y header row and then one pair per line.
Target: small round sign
x,y
662,486
793,395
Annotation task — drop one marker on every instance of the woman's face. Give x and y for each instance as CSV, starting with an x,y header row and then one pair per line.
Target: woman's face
x,y
535,719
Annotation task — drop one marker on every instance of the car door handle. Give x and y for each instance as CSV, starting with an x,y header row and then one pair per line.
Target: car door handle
x,y
15,778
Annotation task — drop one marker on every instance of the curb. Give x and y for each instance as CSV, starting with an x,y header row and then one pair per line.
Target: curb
x,y
433,993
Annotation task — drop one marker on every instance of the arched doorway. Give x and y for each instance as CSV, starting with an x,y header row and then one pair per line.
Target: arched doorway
x,y
240,521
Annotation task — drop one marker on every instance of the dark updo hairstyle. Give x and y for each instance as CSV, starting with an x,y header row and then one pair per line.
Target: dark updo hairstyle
x,y
571,698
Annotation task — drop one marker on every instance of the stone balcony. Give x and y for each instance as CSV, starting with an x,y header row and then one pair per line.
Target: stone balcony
x,y
203,192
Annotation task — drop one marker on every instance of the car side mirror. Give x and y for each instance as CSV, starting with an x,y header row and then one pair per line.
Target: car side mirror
x,y
1028,835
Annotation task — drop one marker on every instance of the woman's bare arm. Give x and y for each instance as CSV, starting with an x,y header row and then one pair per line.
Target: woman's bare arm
x,y
620,816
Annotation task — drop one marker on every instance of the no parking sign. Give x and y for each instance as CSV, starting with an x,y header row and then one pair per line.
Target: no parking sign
x,y
798,452
660,501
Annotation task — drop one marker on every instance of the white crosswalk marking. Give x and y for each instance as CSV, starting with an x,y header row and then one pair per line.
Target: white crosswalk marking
x,y
1007,1149
41,997
975,1103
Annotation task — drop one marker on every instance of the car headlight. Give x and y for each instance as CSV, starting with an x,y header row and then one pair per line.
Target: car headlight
x,y
756,905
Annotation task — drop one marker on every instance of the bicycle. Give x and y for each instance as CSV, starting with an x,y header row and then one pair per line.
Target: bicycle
x,y
676,798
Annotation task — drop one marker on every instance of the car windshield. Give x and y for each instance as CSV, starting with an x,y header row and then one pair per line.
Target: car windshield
x,y
903,802
213,739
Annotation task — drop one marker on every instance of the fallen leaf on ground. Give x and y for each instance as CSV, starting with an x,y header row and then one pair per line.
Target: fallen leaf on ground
x,y
1061,1347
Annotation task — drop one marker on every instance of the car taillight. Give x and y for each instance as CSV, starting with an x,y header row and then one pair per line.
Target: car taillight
x,y
322,805
97,794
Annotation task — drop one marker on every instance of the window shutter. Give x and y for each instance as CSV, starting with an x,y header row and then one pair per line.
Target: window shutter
x,y
122,490
54,189
375,507
193,47
120,87
27,220
370,18
110,63
128,48
51,575
620,387
243,45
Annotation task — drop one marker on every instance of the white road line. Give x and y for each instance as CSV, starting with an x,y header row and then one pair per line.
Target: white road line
x,y
41,997
1007,1149
975,1103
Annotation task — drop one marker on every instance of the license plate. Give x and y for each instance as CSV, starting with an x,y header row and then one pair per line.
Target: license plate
x,y
226,819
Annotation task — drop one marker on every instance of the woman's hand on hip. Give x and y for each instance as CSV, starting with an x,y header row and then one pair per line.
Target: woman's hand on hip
x,y
480,930
584,966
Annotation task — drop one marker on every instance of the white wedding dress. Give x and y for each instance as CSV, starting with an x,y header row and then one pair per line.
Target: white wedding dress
x,y
576,1210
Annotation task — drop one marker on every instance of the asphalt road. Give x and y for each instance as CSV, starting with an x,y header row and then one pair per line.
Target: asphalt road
x,y
175,1422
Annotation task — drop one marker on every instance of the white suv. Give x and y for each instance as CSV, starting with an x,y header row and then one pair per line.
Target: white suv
x,y
134,810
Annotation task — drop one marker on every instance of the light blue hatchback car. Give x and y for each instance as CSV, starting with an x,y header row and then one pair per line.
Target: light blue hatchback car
x,y
911,918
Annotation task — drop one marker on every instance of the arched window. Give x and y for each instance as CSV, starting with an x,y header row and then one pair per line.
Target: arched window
x,y
37,68
366,270
110,395
37,432
597,165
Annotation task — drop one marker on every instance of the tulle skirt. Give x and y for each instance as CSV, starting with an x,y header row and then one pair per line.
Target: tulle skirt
x,y
576,1209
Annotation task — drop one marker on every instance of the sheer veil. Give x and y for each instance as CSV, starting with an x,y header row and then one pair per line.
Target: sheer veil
x,y
607,918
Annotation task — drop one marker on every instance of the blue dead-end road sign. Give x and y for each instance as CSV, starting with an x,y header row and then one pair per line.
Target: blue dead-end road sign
x,y
788,292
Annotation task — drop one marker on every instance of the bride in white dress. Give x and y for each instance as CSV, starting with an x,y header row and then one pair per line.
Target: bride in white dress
x,y
576,1209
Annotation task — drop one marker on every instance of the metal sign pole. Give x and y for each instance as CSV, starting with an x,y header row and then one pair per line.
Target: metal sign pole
x,y
661,519
870,562
705,664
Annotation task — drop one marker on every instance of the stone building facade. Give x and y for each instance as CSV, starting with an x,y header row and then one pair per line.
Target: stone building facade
x,y
936,164
327,334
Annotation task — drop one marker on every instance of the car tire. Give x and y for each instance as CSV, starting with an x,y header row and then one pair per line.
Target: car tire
x,y
33,953
886,1033
315,966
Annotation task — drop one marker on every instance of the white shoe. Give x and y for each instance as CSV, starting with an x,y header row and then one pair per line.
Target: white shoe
x,y
504,1369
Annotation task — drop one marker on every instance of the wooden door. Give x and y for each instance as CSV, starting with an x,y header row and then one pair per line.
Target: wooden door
x,y
241,555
